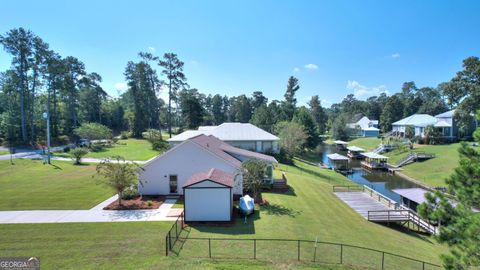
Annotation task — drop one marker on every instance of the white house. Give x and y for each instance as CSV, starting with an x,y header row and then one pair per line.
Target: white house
x,y
365,127
444,122
242,135
208,196
166,174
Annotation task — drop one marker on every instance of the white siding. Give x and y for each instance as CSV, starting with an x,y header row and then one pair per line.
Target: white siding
x,y
207,204
183,161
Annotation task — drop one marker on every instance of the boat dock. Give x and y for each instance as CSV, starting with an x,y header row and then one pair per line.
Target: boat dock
x,y
375,207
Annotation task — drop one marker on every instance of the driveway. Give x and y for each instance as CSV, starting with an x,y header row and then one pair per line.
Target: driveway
x,y
96,214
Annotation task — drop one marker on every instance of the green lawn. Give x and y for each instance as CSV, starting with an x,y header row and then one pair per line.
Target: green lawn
x,y
130,149
29,184
308,211
365,143
4,152
311,210
432,172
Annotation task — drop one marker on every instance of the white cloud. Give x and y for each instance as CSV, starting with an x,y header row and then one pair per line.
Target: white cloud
x,y
151,49
362,91
121,86
325,102
311,66
395,55
296,69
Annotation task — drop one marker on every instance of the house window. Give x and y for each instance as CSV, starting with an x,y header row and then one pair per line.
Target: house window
x,y
173,183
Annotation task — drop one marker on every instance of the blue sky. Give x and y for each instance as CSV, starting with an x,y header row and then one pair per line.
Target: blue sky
x,y
235,47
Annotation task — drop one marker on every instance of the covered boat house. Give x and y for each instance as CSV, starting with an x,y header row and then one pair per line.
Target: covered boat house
x,y
338,162
411,197
374,161
341,145
355,152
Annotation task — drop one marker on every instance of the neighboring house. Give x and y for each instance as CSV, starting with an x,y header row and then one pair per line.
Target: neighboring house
x,y
168,173
444,123
364,127
242,135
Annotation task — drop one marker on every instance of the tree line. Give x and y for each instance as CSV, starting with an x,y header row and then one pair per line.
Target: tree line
x,y
40,80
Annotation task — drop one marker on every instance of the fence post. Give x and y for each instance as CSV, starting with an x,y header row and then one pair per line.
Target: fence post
x,y
209,249
423,265
169,241
298,250
254,248
383,259
166,245
341,253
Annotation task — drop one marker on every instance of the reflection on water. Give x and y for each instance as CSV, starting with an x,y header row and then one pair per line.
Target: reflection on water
x,y
379,181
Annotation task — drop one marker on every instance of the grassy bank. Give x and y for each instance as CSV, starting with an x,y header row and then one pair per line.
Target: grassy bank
x,y
432,172
30,184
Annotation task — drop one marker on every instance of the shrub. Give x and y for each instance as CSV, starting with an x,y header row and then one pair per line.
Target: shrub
x,y
93,131
130,193
149,203
97,147
124,135
114,139
159,145
66,149
77,155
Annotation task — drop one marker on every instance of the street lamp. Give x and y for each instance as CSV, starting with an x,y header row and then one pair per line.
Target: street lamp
x,y
47,117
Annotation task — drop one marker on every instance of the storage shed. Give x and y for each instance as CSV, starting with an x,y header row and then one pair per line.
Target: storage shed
x,y
208,196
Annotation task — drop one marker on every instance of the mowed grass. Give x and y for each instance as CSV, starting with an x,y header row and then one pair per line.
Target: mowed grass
x,y
32,185
130,149
368,144
311,211
432,172
4,152
122,245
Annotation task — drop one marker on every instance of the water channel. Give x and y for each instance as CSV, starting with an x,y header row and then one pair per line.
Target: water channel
x,y
382,182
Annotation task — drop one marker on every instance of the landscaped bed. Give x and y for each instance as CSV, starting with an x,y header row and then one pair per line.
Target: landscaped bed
x,y
144,202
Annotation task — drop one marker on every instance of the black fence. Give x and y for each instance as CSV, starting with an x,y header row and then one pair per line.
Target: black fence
x,y
293,250
173,234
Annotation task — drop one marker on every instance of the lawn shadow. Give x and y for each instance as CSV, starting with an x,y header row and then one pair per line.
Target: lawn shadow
x,y
280,210
403,229
239,225
56,167
182,238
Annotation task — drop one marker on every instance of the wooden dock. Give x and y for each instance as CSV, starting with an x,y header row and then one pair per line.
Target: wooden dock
x,y
361,202
375,207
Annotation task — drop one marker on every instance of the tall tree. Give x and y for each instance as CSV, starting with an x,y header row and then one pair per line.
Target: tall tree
x,y
74,72
176,80
241,109
191,109
290,102
463,91
263,118
258,99
318,113
303,117
393,111
217,109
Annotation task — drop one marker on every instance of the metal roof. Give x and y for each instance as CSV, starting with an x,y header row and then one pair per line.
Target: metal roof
x,y
355,149
374,155
442,124
419,120
446,114
413,194
337,157
340,142
229,132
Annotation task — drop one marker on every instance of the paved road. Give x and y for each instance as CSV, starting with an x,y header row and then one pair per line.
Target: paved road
x,y
96,214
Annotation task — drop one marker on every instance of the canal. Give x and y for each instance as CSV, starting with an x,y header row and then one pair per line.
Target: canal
x,y
382,182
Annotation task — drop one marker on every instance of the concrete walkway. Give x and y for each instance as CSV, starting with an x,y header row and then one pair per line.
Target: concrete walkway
x,y
96,214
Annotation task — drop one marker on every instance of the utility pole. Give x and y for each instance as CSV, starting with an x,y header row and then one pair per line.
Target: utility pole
x,y
46,115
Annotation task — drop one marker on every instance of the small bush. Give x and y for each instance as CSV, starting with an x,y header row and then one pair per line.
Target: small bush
x,y
66,149
115,140
130,193
77,155
159,145
97,147
149,203
124,135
